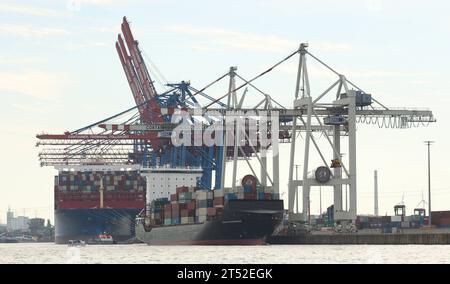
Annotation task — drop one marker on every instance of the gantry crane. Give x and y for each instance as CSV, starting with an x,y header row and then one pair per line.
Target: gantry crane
x,y
144,137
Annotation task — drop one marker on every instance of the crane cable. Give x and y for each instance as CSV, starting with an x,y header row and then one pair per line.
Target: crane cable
x,y
258,76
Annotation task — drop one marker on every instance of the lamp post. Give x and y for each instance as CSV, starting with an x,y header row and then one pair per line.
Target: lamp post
x,y
429,143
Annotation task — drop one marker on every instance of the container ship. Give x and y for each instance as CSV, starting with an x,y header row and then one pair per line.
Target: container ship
x,y
245,215
94,200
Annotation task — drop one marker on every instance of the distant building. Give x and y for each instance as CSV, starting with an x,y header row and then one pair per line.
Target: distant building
x,y
19,223
9,217
37,226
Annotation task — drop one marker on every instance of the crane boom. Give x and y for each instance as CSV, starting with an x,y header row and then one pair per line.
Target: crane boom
x,y
141,70
139,80
130,74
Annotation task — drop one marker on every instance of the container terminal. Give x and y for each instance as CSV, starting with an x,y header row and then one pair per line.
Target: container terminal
x,y
127,175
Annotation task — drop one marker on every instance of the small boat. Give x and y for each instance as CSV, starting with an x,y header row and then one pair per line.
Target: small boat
x,y
76,243
103,239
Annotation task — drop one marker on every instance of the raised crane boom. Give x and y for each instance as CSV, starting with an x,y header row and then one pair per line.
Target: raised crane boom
x,y
148,88
131,75
139,79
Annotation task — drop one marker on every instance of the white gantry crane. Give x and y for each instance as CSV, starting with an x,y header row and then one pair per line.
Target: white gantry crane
x,y
311,113
347,108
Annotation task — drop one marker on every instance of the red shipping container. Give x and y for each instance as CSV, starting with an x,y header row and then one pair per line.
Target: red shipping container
x,y
173,197
218,201
267,196
191,205
211,211
182,189
251,196
219,211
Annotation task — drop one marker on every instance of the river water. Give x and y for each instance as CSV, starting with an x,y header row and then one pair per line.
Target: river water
x,y
141,253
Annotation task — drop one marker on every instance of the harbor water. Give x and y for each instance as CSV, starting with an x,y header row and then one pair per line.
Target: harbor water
x,y
271,254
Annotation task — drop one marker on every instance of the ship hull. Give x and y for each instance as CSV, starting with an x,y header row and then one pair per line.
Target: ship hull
x,y
243,222
87,224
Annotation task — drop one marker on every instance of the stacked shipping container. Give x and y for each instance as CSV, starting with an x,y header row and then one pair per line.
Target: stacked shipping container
x,y
191,205
122,189
441,219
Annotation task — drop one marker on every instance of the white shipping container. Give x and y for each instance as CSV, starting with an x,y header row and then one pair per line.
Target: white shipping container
x,y
201,219
396,218
230,190
218,193
405,224
201,212
268,190
184,220
201,195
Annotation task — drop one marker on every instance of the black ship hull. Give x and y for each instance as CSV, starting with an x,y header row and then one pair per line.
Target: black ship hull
x,y
243,222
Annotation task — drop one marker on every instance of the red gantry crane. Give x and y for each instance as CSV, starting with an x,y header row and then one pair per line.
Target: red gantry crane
x,y
81,145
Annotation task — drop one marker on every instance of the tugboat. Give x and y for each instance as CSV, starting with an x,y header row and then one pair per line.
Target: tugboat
x,y
103,239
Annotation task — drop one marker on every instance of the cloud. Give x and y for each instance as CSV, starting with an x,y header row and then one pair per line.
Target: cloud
x,y
30,31
27,108
223,39
29,10
114,29
7,60
86,46
37,84
374,5
98,2
76,5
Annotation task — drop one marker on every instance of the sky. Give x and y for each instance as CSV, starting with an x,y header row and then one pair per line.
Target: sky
x,y
59,71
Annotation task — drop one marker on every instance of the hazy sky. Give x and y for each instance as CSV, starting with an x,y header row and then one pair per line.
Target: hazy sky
x,y
59,71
